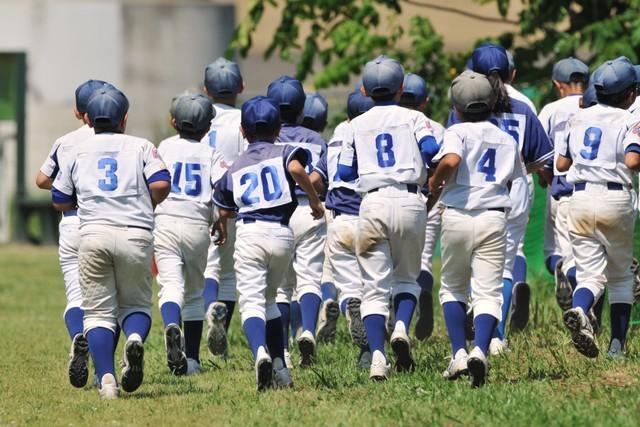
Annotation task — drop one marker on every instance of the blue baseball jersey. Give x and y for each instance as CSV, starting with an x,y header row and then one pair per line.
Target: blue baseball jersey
x,y
311,142
258,186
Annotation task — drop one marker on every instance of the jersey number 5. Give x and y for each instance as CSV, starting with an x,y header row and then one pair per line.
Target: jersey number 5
x,y
487,165
267,174
592,138
384,145
109,165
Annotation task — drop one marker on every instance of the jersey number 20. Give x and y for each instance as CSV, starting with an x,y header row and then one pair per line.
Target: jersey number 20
x,y
269,173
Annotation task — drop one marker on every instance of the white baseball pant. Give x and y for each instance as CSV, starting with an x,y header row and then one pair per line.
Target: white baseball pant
x,y
327,273
115,274
473,245
341,255
562,233
68,255
551,234
220,264
517,221
431,236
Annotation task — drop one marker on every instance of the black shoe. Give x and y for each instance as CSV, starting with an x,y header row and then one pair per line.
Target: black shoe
x,y
217,332
327,321
469,331
581,332
133,365
520,306
364,358
354,322
307,347
78,361
402,349
174,344
564,293
424,323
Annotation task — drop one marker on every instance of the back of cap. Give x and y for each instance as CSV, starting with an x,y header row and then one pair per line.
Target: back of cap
x,y
222,78
288,93
382,77
193,113
614,76
566,68
472,92
489,58
414,90
107,108
86,89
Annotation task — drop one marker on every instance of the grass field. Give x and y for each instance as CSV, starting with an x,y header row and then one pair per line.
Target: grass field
x,y
543,381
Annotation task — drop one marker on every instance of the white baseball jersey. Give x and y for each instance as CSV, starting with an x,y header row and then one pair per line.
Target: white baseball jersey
x,y
108,173
554,118
490,160
635,107
191,166
224,135
597,140
334,146
516,94
50,167
383,142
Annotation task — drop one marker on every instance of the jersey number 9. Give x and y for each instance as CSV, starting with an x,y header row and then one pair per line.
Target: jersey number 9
x,y
592,138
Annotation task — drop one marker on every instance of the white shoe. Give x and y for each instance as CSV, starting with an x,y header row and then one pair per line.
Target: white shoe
x,y
478,367
581,332
132,363
327,321
379,370
615,349
307,346
498,346
457,366
193,367
401,348
281,375
109,388
287,359
264,369
217,334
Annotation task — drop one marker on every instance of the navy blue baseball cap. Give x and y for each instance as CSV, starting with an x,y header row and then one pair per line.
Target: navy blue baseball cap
x,y
614,76
315,110
490,57
357,104
193,113
637,68
222,78
382,77
86,89
288,93
414,89
260,115
107,107
589,97
567,67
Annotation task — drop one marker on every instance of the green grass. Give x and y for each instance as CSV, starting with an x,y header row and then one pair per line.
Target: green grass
x,y
543,381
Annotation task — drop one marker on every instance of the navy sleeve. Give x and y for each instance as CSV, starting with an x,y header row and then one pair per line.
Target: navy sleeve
x,y
321,167
161,175
59,197
295,153
536,147
429,148
223,193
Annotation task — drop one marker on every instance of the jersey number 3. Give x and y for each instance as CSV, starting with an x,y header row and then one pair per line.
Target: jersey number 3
x,y
487,165
110,182
384,145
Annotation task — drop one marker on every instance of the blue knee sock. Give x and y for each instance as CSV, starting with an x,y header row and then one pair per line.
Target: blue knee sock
x,y
425,281
343,306
231,305
285,318
192,337
484,325
551,263
507,288
256,331
620,315
520,270
329,291
309,306
73,318
275,339
137,323
455,314
571,275
584,299
404,305
170,313
296,317
375,326
101,348
210,292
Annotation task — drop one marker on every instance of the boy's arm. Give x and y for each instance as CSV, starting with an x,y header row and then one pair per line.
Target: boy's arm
x,y
564,163
446,168
300,176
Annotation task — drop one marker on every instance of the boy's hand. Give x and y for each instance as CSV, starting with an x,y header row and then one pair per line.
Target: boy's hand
x,y
317,210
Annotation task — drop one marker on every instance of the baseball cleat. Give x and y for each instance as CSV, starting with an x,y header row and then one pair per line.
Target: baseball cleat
x,y
264,369
287,359
132,364
307,347
520,306
193,367
402,348
379,370
174,345
615,349
564,293
581,332
478,367
364,358
108,388
78,361
281,375
217,333
327,321
424,323
354,322
457,367
497,346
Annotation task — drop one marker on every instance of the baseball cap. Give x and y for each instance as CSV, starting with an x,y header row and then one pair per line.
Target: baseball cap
x,y
614,76
490,57
414,89
382,76
637,68
315,110
565,68
174,101
222,78
107,107
287,92
472,92
589,96
357,104
260,115
193,112
86,89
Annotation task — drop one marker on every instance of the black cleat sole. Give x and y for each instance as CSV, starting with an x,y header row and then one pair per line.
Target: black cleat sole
x,y
327,333
402,352
477,372
424,324
520,307
307,350
583,343
265,375
176,359
78,365
356,326
133,371
217,334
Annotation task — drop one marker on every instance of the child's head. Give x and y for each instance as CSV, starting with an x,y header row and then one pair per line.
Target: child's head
x,y
260,119
415,93
223,81
314,113
382,79
615,82
192,115
589,97
84,92
357,104
570,76
472,96
289,95
492,61
107,111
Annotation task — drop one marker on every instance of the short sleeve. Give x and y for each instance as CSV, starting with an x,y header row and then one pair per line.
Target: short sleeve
x,y
452,143
545,119
63,182
348,152
295,153
321,167
223,193
631,142
50,166
536,148
153,163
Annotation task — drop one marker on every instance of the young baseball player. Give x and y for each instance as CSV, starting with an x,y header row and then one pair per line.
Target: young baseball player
x,y
223,83
181,233
115,180
602,155
415,96
387,147
476,163
260,189
306,273
68,241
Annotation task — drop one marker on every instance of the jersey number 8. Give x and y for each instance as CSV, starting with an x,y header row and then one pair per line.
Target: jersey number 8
x,y
269,174
384,145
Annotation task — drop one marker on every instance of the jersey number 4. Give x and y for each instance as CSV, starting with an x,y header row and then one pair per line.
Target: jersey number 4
x,y
110,182
592,138
268,175
487,165
193,182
